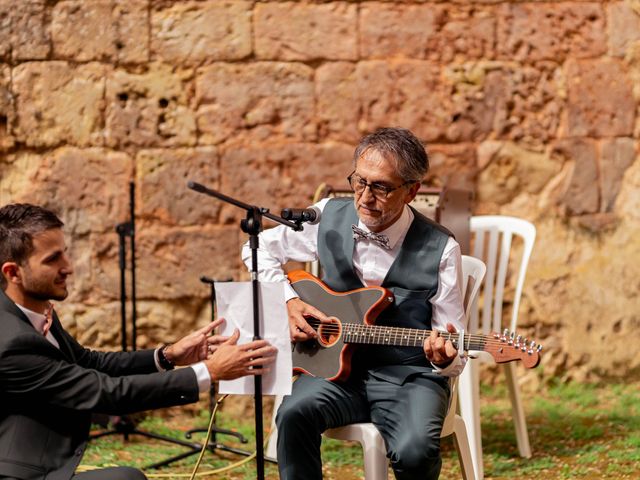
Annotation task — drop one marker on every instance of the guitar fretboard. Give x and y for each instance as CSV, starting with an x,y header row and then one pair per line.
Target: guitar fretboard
x,y
408,337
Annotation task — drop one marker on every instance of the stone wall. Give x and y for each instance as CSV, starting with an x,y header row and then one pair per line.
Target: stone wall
x,y
533,105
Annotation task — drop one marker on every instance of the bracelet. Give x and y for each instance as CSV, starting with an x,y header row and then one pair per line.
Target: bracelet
x,y
163,361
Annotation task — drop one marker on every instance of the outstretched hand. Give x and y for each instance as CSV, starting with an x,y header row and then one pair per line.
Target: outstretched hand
x,y
231,361
196,346
440,352
299,328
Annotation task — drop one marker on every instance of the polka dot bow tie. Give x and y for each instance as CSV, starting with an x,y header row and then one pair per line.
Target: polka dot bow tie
x,y
360,234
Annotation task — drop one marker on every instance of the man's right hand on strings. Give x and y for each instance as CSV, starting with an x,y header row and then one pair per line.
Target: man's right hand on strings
x,y
299,327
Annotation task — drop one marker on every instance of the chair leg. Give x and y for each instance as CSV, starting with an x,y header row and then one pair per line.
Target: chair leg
x,y
463,448
519,421
469,396
272,445
376,465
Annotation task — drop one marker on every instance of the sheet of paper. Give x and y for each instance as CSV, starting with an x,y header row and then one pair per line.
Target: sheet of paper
x,y
235,303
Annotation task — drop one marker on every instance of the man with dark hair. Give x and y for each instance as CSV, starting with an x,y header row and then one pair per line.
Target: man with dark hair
x,y
50,384
376,239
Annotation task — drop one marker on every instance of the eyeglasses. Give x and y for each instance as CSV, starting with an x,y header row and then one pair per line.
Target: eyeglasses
x,y
378,190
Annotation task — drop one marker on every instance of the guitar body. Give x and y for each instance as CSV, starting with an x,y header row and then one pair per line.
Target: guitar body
x,y
331,357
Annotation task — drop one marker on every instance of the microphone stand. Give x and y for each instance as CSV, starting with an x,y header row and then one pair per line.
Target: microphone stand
x,y
124,424
252,225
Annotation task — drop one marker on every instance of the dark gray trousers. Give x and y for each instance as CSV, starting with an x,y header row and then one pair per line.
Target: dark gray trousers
x,y
109,473
408,416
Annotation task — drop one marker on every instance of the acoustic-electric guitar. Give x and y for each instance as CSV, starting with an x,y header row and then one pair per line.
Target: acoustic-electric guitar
x,y
353,315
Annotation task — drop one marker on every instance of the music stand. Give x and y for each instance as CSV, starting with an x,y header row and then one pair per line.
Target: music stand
x,y
252,225
125,425
213,444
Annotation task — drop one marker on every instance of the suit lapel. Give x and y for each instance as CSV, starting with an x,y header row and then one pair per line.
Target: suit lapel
x,y
58,332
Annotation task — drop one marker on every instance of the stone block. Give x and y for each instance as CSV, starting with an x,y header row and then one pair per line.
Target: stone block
x,y
395,29
463,102
17,173
310,32
508,170
59,103
420,96
452,166
7,110
551,31
628,201
623,27
517,103
90,187
337,105
6,7
162,177
425,31
581,193
282,175
393,94
237,101
589,113
149,109
30,36
93,327
173,260
616,156
168,321
193,33
133,30
479,99
84,31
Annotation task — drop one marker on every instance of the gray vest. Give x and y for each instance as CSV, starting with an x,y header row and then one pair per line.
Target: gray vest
x,y
413,279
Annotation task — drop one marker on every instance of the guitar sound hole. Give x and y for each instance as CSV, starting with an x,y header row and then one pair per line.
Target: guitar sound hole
x,y
329,333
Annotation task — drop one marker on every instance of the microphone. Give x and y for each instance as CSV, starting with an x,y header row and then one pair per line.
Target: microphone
x,y
309,215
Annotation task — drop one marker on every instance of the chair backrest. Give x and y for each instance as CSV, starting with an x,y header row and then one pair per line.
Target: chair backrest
x,y
473,271
492,240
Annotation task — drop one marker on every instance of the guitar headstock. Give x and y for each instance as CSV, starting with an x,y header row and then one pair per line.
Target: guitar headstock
x,y
509,347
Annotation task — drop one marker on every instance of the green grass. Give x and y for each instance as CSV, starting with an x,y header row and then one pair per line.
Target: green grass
x,y
576,431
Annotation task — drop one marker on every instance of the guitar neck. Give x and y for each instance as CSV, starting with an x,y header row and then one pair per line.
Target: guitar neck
x,y
403,337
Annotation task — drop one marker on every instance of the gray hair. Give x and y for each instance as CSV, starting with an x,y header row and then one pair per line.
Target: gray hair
x,y
401,147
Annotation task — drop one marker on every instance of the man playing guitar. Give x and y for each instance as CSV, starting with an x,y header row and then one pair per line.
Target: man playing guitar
x,y
374,240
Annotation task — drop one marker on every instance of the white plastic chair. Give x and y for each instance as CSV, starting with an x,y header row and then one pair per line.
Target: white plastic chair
x,y
492,243
375,453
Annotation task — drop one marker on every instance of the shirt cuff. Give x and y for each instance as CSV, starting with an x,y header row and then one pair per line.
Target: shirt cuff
x,y
451,369
157,361
289,293
203,376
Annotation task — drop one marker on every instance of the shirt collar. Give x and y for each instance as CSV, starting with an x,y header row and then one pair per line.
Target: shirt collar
x,y
397,230
37,319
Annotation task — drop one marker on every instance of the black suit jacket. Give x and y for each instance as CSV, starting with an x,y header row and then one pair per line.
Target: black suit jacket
x,y
47,394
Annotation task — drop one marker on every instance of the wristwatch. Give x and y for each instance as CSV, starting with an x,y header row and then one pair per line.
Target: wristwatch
x,y
163,361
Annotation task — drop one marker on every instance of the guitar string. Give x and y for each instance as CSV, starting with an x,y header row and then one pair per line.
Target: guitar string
x,y
380,330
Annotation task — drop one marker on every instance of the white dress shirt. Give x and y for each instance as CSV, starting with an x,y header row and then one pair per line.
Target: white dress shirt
x,y
371,263
200,369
